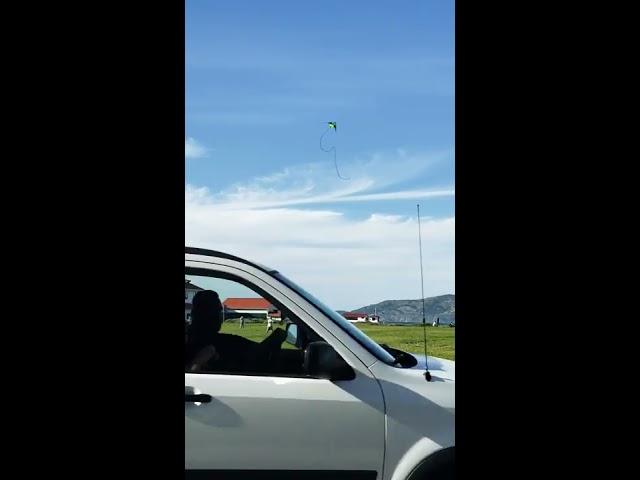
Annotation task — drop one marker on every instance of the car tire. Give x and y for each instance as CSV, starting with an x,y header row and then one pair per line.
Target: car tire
x,y
439,466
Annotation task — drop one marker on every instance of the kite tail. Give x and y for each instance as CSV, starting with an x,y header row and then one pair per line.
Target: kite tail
x,y
332,149
335,162
321,147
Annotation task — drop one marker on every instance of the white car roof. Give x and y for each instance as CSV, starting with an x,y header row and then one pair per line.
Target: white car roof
x,y
214,253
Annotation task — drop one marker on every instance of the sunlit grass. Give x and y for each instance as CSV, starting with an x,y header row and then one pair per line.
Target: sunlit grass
x,y
440,340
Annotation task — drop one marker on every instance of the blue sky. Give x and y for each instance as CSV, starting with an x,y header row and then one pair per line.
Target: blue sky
x,y
262,80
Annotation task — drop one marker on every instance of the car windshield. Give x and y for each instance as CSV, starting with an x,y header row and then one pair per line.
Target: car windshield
x,y
357,334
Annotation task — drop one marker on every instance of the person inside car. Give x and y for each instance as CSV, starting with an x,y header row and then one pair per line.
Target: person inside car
x,y
208,349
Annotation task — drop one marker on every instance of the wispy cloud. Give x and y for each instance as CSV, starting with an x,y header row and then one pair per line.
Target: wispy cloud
x,y
347,262
193,149
373,179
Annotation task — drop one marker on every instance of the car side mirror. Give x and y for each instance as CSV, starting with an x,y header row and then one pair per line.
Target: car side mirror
x,y
296,336
322,361
292,334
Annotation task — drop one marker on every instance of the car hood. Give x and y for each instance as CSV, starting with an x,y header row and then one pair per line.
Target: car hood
x,y
415,407
438,367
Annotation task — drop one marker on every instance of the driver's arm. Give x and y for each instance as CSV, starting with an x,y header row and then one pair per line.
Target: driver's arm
x,y
277,337
203,357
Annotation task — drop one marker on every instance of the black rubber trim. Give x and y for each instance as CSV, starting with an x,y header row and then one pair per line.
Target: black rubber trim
x,y
439,466
214,253
280,474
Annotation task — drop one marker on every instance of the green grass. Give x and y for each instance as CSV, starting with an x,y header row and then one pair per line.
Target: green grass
x,y
410,338
440,341
255,331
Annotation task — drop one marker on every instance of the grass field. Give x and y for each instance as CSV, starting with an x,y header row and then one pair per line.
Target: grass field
x,y
440,341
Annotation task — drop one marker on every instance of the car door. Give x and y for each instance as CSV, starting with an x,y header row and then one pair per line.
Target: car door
x,y
299,427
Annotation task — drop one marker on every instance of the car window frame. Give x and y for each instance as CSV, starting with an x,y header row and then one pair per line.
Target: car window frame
x,y
279,299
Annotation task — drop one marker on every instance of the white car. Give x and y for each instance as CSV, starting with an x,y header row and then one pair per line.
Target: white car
x,y
331,404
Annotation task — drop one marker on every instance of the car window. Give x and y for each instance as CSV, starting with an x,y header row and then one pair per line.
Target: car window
x,y
355,333
231,328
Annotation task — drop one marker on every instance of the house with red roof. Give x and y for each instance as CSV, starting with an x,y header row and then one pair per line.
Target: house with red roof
x,y
359,317
250,307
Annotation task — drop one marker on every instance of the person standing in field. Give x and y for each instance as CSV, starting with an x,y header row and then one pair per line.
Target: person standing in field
x,y
269,325
242,322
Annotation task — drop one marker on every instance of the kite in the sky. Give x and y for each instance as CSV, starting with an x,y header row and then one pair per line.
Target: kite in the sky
x,y
332,126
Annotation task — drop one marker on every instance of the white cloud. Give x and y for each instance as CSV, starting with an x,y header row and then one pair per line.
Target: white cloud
x,y
347,263
344,261
193,149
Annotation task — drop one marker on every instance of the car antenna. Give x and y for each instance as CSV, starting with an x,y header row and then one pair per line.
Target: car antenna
x,y
427,375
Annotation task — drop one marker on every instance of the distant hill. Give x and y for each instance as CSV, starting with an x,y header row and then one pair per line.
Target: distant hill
x,y
410,311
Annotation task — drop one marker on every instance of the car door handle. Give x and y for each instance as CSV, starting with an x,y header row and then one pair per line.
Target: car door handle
x,y
197,398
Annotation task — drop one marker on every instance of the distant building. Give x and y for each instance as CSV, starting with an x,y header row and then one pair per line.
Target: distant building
x,y
251,307
359,317
189,292
355,317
